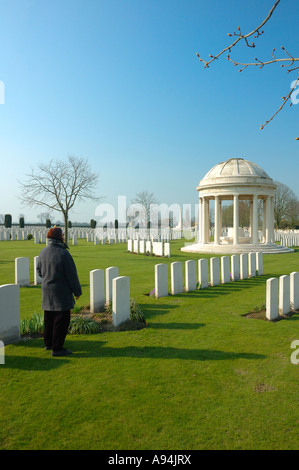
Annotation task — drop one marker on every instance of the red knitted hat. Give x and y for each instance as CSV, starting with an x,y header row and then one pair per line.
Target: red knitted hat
x,y
55,232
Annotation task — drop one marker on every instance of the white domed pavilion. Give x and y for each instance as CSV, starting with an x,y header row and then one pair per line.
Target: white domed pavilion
x,y
236,180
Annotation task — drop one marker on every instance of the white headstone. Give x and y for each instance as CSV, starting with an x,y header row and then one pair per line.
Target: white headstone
x,y
158,248
272,298
130,245
161,280
251,264
9,313
203,273
22,271
235,269
259,263
167,249
111,273
97,290
214,271
120,300
142,246
176,270
148,246
243,266
294,290
225,269
37,278
284,295
190,275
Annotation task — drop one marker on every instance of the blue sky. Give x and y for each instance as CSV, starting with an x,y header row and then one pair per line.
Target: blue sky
x,y
119,82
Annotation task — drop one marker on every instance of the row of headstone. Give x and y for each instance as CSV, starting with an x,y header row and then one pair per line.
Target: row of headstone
x,y
147,246
6,235
282,295
288,238
117,291
97,235
224,269
107,286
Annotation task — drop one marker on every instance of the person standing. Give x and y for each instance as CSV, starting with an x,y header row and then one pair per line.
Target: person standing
x,y
60,283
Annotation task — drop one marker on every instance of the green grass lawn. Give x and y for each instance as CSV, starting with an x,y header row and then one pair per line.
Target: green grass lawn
x,y
200,376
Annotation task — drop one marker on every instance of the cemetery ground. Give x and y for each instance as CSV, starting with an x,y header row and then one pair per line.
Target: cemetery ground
x,y
201,375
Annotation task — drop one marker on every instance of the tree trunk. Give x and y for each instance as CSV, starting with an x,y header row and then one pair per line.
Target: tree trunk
x,y
66,237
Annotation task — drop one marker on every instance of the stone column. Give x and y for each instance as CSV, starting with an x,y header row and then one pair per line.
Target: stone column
x,y
255,235
220,218
272,237
200,221
268,219
204,221
236,219
217,221
207,224
251,217
264,220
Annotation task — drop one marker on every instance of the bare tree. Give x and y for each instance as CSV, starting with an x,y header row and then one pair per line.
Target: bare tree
x,y
58,185
144,199
287,61
43,216
285,204
294,215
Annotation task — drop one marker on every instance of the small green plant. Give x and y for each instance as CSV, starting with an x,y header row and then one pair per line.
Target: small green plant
x,y
29,236
152,293
33,325
80,325
136,312
108,308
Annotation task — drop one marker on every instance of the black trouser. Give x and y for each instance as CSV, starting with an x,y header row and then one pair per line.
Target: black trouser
x,y
56,327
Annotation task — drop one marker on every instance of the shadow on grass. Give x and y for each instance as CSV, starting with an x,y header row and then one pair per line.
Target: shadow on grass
x,y
96,349
33,363
156,309
176,326
229,287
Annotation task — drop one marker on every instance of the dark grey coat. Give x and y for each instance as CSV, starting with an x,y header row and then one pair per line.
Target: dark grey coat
x,y
60,281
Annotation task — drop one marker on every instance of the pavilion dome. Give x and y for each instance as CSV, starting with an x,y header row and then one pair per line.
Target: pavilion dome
x,y
236,171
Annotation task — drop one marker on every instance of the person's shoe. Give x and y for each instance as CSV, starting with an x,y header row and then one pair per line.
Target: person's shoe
x,y
62,352
47,348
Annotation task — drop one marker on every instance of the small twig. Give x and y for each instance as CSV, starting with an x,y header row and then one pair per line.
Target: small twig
x,y
285,100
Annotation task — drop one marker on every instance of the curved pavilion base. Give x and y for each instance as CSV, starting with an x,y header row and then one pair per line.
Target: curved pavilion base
x,y
231,249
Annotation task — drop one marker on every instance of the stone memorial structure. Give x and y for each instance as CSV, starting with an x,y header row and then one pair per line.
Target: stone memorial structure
x,y
236,180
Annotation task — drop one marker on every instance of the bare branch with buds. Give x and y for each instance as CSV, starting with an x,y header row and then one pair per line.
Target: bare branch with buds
x,y
287,62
